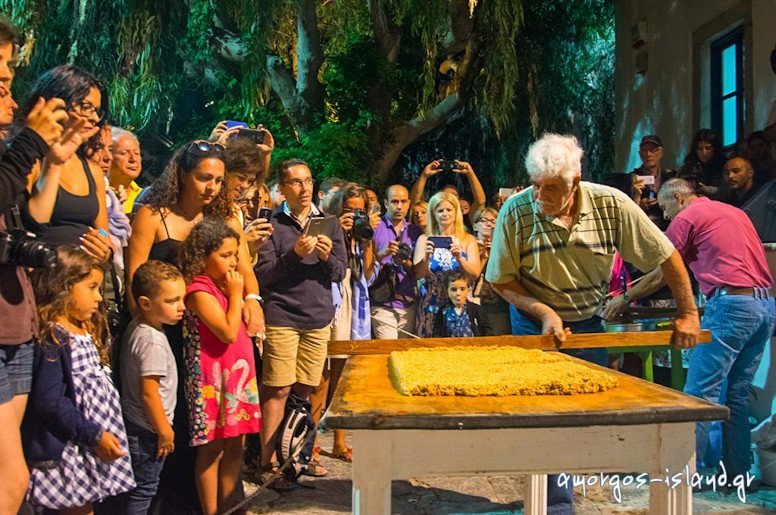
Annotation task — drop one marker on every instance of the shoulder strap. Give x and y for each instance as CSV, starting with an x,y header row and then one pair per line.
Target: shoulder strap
x,y
89,176
164,222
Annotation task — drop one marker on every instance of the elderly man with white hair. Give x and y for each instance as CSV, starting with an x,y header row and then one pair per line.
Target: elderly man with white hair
x,y
126,166
553,250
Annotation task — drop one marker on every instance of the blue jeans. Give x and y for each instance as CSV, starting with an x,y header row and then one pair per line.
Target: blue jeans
x,y
740,327
146,467
559,498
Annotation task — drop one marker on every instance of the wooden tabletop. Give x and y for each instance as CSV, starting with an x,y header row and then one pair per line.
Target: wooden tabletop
x,y
366,399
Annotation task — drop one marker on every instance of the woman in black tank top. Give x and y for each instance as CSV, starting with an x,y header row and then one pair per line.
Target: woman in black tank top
x,y
189,190
67,203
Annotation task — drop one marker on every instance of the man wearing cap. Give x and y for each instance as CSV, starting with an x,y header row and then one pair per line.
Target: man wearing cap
x,y
644,189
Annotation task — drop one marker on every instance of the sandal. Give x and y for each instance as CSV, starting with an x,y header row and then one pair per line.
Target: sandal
x,y
315,469
345,454
279,484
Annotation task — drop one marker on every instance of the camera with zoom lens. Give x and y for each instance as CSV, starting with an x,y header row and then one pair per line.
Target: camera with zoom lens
x,y
20,248
403,254
362,228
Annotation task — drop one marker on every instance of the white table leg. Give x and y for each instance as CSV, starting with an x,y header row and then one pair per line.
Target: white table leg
x,y
371,474
670,501
536,495
677,451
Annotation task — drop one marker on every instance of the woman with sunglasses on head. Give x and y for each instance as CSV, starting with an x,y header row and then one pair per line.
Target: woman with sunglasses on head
x,y
67,203
192,188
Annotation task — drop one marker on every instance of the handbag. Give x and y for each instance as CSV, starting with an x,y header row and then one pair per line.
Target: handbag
x,y
383,290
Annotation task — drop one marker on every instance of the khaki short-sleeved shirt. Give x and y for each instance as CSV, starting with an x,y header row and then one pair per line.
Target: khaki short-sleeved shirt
x,y
569,270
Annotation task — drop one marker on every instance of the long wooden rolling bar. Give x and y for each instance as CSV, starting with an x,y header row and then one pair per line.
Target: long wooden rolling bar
x,y
542,342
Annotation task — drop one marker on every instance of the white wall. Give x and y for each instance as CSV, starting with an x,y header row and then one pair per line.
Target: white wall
x,y
661,101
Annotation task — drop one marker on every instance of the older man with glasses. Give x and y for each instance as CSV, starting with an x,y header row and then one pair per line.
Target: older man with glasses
x,y
296,271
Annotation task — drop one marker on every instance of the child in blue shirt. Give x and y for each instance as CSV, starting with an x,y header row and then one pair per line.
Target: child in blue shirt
x,y
460,317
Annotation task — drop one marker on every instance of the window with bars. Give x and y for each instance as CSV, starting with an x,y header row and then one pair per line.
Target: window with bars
x,y
727,87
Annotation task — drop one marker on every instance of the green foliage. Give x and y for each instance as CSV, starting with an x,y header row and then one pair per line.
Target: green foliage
x,y
574,73
350,75
497,85
564,82
539,66
332,150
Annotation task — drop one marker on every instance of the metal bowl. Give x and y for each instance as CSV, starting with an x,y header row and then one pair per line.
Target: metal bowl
x,y
633,327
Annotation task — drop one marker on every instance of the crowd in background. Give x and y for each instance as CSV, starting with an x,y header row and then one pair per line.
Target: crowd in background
x,y
170,322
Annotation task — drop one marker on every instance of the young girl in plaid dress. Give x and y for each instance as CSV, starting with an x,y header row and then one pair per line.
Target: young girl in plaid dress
x,y
73,433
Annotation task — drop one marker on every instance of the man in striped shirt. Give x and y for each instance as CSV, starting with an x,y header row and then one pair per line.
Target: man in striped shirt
x,y
553,250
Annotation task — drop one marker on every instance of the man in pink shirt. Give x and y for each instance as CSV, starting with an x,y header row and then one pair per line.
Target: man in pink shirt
x,y
719,244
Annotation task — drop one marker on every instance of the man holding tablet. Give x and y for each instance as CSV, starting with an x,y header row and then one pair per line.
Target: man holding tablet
x,y
304,255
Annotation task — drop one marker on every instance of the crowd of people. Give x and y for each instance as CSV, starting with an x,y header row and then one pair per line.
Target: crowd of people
x,y
170,324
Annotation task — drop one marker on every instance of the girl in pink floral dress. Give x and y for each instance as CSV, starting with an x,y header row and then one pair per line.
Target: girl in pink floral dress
x,y
221,389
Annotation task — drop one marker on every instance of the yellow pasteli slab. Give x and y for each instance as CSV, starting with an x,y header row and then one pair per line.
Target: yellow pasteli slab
x,y
492,371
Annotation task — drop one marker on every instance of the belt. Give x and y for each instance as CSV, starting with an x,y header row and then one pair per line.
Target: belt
x,y
755,292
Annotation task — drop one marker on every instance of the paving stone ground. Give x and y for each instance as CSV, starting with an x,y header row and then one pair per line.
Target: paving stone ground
x,y
477,494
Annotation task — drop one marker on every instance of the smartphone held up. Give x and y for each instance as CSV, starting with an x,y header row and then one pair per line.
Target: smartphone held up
x,y
255,135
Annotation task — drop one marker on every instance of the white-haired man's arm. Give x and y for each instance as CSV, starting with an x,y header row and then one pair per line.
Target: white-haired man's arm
x,y
515,293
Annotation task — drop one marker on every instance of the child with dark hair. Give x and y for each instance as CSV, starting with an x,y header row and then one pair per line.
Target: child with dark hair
x,y
460,317
221,389
149,377
74,437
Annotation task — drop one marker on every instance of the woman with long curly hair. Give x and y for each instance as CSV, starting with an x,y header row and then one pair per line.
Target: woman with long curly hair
x,y
458,251
67,203
190,190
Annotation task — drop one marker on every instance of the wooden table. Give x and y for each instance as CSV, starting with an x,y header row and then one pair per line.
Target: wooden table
x,y
637,426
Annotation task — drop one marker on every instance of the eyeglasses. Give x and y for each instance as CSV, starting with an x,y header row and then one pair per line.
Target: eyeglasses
x,y
488,220
204,148
87,110
299,183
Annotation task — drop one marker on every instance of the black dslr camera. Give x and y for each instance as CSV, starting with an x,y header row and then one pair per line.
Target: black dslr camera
x,y
362,229
20,248
403,254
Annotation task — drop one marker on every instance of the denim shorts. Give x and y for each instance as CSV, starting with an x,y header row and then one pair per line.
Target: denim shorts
x,y
15,370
